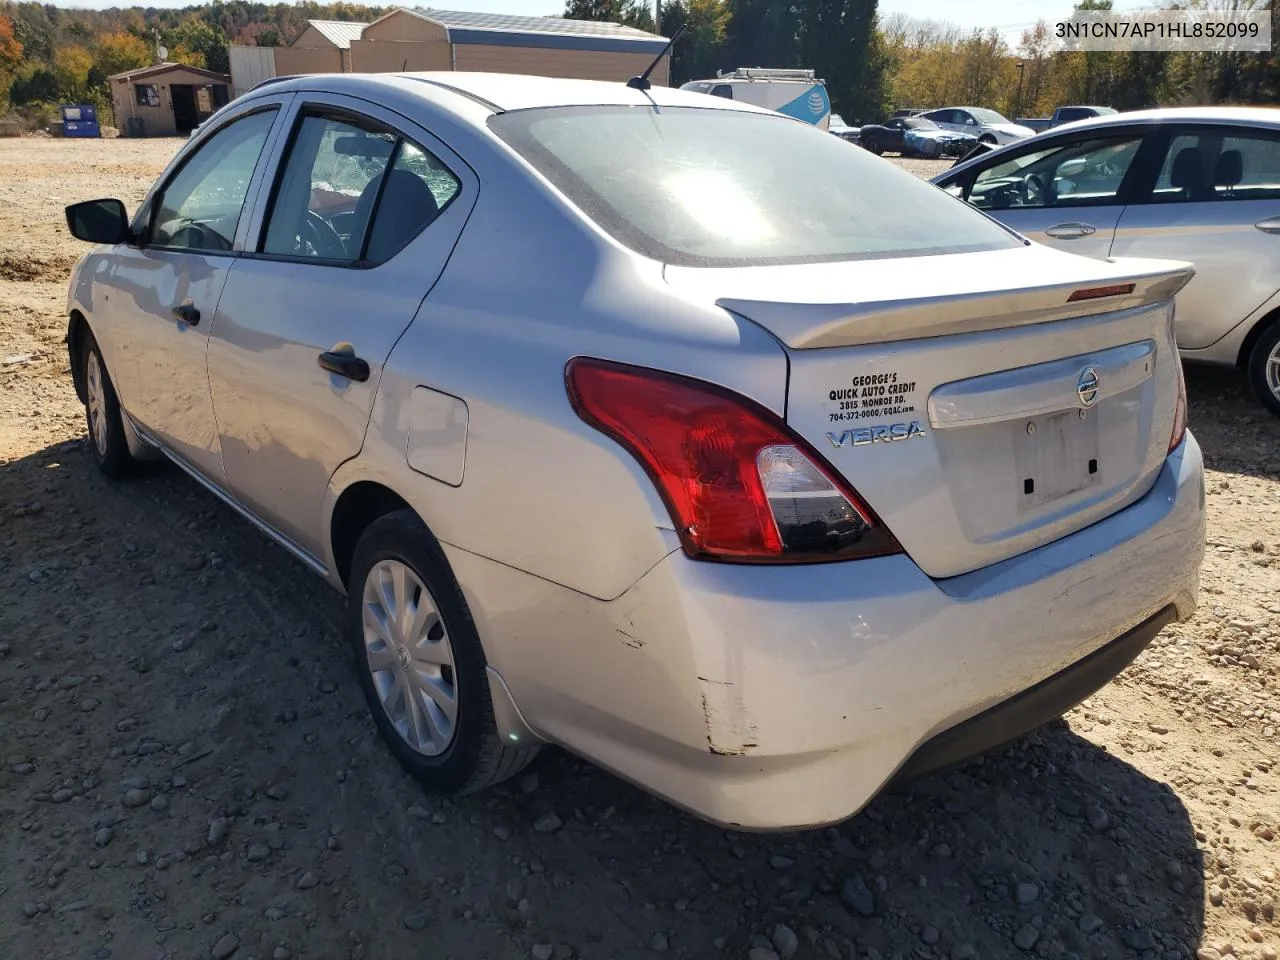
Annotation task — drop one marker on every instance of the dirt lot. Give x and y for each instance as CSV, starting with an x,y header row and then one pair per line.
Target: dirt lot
x,y
187,770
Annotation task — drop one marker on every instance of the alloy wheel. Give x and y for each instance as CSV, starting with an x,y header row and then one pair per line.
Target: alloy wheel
x,y
410,657
1273,371
95,384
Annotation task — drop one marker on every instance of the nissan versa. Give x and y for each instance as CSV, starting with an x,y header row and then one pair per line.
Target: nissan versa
x,y
605,407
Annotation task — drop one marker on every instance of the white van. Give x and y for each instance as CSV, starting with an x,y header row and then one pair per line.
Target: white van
x,y
797,93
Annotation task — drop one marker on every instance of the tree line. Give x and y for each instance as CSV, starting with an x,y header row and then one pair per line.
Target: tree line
x,y
871,64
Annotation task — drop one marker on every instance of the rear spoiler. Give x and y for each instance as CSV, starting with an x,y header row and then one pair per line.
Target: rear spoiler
x,y
1126,285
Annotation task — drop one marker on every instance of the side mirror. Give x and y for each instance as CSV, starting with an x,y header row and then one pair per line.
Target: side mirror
x,y
98,221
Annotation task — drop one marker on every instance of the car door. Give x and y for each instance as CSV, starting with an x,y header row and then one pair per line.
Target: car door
x,y
946,119
363,213
1215,202
162,294
1068,193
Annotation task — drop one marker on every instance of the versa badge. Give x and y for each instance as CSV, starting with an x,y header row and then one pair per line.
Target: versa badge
x,y
881,433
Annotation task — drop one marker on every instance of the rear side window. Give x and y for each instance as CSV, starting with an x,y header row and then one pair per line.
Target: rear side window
x,y
325,200
727,188
353,193
1219,165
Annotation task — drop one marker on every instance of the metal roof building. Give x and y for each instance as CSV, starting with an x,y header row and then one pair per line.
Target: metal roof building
x,y
427,39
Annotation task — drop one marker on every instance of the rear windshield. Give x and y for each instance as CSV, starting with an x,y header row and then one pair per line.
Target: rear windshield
x,y
698,187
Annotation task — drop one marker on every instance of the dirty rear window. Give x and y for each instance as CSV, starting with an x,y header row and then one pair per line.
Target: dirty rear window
x,y
700,187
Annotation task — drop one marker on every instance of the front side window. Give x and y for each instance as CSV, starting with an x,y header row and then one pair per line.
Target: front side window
x,y
722,90
201,206
1219,165
351,192
727,188
1081,174
983,115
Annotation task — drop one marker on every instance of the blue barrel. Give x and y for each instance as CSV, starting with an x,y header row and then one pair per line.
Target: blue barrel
x,y
80,120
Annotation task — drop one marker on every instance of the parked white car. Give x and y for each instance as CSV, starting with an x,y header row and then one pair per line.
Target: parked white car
x,y
759,490
1196,183
985,125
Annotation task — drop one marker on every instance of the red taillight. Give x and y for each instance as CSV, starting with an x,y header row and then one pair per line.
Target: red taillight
x,y
739,484
1180,409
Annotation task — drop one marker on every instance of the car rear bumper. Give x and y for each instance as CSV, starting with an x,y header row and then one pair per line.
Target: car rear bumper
x,y
784,697
1035,706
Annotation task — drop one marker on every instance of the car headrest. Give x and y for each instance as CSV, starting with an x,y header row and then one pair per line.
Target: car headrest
x,y
1229,170
1188,171
406,207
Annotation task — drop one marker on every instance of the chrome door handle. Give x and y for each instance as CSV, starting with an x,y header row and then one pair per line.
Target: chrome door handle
x,y
1070,231
1269,225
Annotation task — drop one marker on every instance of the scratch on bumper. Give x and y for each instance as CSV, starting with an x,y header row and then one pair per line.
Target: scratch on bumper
x,y
730,730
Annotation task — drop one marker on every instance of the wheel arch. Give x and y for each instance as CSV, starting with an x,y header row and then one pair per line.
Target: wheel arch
x,y
77,328
1254,335
357,506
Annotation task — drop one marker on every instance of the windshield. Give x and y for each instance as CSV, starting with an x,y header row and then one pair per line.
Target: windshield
x,y
919,123
987,116
698,187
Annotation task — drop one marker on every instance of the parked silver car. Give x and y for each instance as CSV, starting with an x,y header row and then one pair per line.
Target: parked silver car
x,y
620,436
985,125
1197,183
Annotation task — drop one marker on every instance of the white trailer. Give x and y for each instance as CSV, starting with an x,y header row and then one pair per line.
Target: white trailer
x,y
796,93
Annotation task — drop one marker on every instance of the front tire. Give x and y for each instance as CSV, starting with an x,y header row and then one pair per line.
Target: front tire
x,y
1263,368
988,139
420,661
105,422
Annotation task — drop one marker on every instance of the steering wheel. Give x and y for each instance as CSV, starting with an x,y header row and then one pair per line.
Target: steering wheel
x,y
1037,197
193,235
319,235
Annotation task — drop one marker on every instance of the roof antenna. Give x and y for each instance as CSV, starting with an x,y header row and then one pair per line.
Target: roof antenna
x,y
642,82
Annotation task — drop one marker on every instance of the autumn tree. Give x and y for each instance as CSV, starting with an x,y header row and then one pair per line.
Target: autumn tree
x,y
696,55
10,57
197,44
631,13
118,52
71,66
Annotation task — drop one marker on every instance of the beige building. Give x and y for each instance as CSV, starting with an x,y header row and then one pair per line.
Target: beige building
x,y
451,40
166,99
324,47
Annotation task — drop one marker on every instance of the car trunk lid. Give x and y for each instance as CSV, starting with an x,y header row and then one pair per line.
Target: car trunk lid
x,y
982,404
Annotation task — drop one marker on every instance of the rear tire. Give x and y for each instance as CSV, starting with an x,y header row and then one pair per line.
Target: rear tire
x,y
420,661
107,443
1263,368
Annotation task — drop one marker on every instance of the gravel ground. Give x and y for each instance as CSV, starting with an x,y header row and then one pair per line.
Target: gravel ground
x,y
187,769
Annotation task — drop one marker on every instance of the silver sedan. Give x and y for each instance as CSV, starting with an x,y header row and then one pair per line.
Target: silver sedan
x,y
1196,183
642,423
